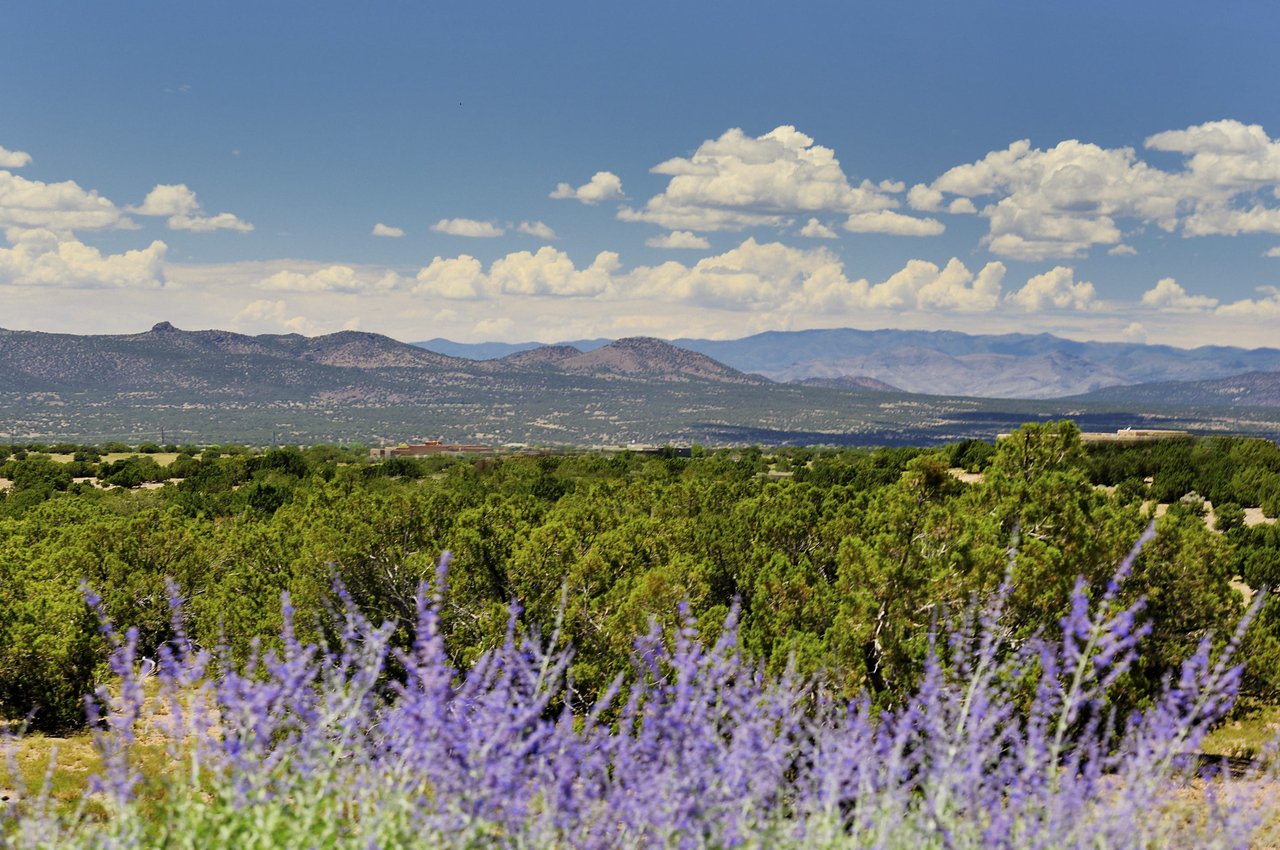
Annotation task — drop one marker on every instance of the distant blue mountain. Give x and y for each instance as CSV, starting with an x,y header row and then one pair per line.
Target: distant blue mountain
x,y
949,362
777,350
995,366
496,350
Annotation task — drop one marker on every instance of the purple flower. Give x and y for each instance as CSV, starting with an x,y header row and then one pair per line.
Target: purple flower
x,y
1002,745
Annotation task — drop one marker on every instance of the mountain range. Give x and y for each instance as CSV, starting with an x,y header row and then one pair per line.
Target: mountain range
x,y
231,364
1252,389
215,385
1039,366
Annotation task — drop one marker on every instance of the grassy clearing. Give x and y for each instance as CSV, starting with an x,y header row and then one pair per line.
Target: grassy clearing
x,y
161,458
1247,733
73,760
67,763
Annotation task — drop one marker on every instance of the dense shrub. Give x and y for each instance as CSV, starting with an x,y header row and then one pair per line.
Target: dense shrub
x,y
49,648
1001,746
842,567
1228,516
132,471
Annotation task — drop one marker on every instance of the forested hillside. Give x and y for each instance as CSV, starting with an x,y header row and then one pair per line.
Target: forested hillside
x,y
842,560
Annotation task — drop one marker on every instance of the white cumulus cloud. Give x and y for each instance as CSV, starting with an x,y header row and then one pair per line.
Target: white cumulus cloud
x,y
603,186
924,198
1220,219
752,276
547,272
457,278
1064,200
13,159
815,229
62,207
1169,296
209,223
758,276
335,278
468,227
893,224
180,206
537,229
1056,289
265,315
168,199
739,181
1255,309
922,285
41,257
551,272
678,239
387,230
1135,332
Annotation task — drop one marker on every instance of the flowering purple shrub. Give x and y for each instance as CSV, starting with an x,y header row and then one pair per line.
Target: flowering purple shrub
x,y
1003,746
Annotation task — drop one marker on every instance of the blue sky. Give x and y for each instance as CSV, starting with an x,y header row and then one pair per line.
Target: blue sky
x,y
565,170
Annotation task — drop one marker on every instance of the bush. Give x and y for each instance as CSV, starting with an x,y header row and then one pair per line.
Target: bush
x,y
972,455
1131,490
288,460
132,471
1228,516
38,472
49,648
697,750
266,496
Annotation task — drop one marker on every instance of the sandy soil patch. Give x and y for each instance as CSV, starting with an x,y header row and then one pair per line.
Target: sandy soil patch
x,y
1253,516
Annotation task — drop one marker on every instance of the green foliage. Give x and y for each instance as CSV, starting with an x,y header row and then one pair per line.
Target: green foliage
x,y
287,461
1184,575
1245,470
972,455
858,469
49,647
39,473
842,569
132,471
1132,490
1258,555
1228,517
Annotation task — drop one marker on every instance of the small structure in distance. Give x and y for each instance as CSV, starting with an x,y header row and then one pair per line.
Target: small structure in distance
x,y
427,448
1128,435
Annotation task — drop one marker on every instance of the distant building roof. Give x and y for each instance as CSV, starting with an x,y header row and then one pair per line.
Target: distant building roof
x,y
1128,435
430,447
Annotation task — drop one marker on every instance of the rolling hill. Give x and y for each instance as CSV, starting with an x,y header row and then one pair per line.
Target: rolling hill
x,y
213,386
636,357
1252,389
